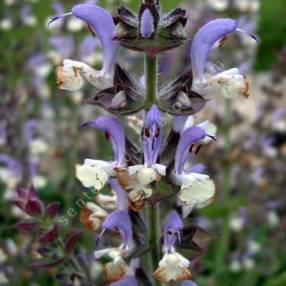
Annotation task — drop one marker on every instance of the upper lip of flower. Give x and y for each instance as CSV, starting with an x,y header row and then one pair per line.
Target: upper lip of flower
x,y
190,136
114,131
119,220
171,229
152,136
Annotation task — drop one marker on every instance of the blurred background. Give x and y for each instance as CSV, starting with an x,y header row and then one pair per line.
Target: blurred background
x,y
40,139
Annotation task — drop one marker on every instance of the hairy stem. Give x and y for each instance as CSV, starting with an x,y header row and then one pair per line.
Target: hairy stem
x,y
151,79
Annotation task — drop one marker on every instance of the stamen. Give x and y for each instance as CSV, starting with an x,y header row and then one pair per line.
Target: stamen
x,y
55,18
254,37
97,240
212,137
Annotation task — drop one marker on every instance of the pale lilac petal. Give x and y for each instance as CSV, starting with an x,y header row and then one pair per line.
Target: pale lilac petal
x,y
147,24
28,129
204,40
188,283
152,136
101,22
172,226
13,165
198,168
88,46
63,45
125,281
120,221
122,198
190,136
58,8
114,131
179,123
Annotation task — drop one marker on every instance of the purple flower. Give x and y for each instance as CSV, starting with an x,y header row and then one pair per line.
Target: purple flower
x,y
204,40
150,170
119,220
13,165
173,266
28,129
171,230
229,83
197,190
95,173
100,21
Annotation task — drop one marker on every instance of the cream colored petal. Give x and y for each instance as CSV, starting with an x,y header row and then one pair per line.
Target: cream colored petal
x,y
230,84
200,192
173,266
69,78
96,210
91,176
161,169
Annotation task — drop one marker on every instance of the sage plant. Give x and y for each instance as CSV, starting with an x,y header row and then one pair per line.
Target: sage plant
x,y
140,174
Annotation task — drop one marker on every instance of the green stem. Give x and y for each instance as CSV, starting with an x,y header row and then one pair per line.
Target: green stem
x,y
223,243
151,79
153,227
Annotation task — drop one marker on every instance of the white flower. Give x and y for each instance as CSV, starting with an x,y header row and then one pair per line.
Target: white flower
x,y
38,146
236,223
94,173
173,266
39,181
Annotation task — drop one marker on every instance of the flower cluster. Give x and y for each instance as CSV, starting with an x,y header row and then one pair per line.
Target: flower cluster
x,y
137,173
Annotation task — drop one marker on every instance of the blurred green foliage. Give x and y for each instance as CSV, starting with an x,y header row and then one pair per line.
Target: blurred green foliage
x,y
272,32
